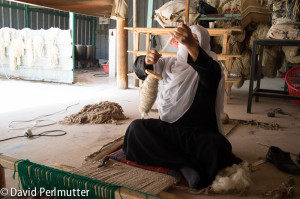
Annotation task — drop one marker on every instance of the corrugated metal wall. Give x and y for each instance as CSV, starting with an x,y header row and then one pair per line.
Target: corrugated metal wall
x,y
47,18
42,18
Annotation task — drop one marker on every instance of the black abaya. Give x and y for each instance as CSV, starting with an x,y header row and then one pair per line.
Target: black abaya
x,y
193,140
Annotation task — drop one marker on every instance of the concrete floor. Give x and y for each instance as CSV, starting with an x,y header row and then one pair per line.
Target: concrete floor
x,y
24,100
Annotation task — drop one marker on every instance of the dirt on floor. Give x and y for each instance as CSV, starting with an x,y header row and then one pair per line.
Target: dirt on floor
x,y
249,142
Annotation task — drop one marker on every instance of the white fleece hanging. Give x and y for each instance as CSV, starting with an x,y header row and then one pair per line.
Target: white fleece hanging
x,y
2,46
5,35
53,50
38,47
29,52
17,50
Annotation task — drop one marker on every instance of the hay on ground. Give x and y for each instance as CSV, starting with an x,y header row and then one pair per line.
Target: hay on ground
x,y
103,112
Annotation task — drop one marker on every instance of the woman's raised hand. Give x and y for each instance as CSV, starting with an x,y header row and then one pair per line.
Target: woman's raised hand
x,y
183,35
152,57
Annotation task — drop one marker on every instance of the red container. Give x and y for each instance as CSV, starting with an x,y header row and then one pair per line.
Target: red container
x,y
292,79
106,68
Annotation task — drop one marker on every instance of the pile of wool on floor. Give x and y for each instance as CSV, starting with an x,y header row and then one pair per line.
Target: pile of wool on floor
x,y
103,112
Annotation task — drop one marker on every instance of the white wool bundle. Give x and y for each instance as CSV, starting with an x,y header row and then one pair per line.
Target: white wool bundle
x,y
53,55
13,55
232,5
17,50
6,36
235,178
24,33
214,3
53,50
29,52
2,46
38,47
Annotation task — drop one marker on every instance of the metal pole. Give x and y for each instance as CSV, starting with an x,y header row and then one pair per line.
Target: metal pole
x,y
149,13
72,28
27,23
93,31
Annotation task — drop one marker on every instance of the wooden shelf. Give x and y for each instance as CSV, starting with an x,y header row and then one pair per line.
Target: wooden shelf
x,y
224,56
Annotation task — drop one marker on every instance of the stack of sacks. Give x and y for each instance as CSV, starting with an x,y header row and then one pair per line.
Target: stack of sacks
x,y
285,20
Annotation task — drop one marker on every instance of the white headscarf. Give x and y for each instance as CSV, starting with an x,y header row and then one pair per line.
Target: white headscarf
x,y
180,81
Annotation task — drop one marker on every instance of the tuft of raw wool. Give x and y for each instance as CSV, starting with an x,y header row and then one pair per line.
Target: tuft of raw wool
x,y
225,118
222,4
260,33
242,66
38,47
292,53
236,48
234,179
16,51
287,189
272,61
228,6
53,50
239,84
29,52
7,35
213,3
100,113
2,46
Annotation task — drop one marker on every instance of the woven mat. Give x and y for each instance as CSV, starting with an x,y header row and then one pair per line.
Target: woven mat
x,y
126,175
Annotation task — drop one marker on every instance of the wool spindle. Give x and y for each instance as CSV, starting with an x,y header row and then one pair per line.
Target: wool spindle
x,y
148,92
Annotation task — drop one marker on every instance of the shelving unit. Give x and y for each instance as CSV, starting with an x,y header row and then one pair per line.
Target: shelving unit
x,y
218,32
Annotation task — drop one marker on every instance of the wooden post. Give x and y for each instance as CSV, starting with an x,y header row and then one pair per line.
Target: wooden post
x,y
136,48
136,36
148,42
225,39
187,9
2,178
122,58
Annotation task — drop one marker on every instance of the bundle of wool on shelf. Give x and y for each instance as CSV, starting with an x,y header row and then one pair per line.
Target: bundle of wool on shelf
x,y
103,112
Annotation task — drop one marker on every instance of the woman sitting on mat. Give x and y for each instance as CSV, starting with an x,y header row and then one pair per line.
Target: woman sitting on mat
x,y
189,133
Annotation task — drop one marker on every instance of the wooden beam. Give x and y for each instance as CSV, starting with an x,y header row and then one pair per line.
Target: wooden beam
x,y
165,31
122,57
97,8
148,42
8,163
2,179
125,193
136,48
174,54
105,150
225,39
